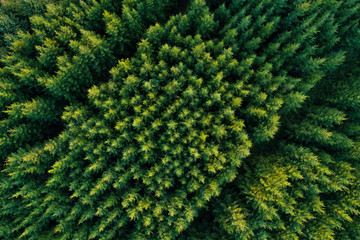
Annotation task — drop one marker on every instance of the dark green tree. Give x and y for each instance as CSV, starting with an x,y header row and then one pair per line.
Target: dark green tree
x,y
181,120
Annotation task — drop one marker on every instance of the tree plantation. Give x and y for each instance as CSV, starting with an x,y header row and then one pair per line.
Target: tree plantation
x,y
180,119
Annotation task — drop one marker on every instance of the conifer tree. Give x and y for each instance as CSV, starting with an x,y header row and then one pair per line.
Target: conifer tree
x,y
304,183
159,119
51,67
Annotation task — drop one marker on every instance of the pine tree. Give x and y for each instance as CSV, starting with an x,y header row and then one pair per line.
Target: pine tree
x,y
181,120
47,69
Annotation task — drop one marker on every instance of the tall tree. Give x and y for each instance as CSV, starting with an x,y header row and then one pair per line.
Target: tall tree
x,y
165,119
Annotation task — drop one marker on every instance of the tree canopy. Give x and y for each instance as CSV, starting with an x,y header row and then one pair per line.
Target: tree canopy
x,y
160,119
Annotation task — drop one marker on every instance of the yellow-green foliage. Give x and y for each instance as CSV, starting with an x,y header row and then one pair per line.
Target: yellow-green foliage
x,y
191,119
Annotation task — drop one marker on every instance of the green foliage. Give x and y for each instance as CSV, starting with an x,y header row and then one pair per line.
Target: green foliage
x,y
14,16
165,119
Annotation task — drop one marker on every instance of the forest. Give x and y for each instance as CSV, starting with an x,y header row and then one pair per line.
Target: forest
x,y
180,119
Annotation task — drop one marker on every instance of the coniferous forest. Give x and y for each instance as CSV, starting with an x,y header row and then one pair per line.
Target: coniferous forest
x,y
180,119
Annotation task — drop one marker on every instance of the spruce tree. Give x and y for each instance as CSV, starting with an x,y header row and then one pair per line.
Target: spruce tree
x,y
197,119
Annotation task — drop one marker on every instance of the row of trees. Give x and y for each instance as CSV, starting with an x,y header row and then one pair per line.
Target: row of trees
x,y
165,119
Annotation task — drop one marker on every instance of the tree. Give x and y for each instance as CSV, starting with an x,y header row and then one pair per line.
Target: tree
x,y
152,120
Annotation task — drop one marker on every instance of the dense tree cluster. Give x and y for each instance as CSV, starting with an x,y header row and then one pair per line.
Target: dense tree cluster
x,y
161,119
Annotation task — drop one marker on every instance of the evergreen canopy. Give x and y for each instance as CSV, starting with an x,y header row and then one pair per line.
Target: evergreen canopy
x,y
160,119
